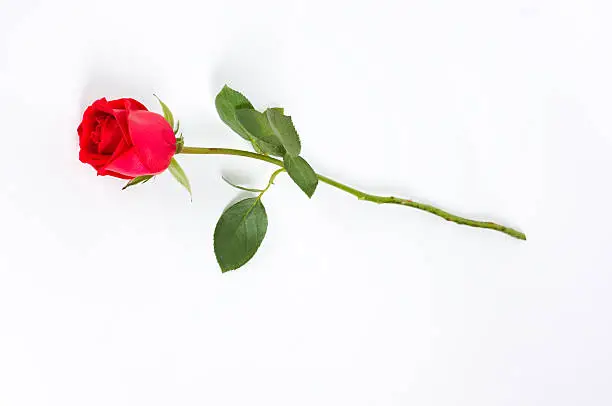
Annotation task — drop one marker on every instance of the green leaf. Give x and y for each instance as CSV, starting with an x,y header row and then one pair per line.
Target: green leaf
x,y
167,113
302,173
179,174
257,125
137,180
283,128
269,149
246,189
239,233
227,102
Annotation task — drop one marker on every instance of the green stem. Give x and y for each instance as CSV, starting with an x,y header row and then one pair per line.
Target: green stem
x,y
270,182
362,195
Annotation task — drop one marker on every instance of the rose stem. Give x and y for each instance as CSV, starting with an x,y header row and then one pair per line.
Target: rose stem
x,y
362,195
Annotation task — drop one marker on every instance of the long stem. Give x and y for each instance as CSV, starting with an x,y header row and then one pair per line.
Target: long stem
x,y
362,195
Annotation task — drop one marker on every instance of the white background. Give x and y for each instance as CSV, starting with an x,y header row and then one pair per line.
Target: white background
x,y
497,110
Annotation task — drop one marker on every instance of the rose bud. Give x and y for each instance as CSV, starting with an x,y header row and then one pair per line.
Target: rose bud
x,y
121,138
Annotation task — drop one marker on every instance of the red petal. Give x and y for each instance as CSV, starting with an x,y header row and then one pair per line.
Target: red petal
x,y
126,164
110,136
101,105
95,160
117,175
126,104
122,117
89,122
153,139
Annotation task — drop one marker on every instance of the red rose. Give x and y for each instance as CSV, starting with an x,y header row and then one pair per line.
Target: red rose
x,y
121,138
